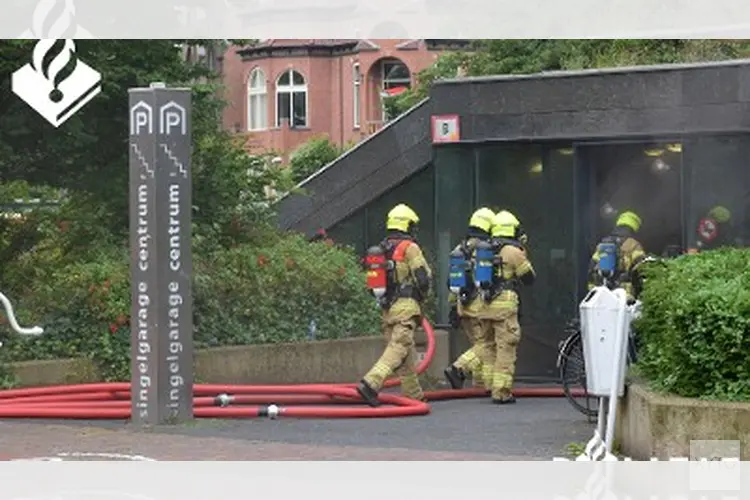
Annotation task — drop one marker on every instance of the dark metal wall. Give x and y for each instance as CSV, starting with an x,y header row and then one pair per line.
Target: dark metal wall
x,y
362,175
662,100
583,105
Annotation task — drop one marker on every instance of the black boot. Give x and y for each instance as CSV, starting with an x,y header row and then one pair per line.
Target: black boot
x,y
455,377
369,394
506,400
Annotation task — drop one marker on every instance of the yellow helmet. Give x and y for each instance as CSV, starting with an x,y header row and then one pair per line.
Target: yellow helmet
x,y
720,213
505,225
400,218
629,219
482,219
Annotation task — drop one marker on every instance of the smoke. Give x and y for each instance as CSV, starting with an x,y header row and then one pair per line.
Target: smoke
x,y
719,177
645,179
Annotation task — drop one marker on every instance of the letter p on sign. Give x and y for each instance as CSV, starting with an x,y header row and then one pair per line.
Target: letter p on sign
x,y
715,465
173,119
141,119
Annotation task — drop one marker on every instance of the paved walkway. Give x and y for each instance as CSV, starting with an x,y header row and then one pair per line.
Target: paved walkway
x,y
533,429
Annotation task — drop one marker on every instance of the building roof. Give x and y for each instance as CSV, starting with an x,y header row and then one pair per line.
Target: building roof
x,y
271,46
594,71
293,46
303,42
408,45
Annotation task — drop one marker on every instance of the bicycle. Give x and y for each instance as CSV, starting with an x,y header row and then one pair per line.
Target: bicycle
x,y
570,352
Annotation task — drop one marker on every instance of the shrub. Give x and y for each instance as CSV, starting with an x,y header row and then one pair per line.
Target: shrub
x,y
84,309
248,294
695,328
311,156
231,192
271,293
8,380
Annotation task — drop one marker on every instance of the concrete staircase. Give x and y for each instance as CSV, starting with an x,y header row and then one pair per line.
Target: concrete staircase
x,y
377,164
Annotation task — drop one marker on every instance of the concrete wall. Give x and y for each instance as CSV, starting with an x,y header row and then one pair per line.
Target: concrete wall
x,y
623,102
327,361
652,425
55,372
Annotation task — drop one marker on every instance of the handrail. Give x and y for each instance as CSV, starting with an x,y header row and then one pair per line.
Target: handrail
x,y
360,144
34,330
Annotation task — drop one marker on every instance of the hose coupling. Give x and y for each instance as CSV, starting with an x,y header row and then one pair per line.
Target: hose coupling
x,y
270,411
224,400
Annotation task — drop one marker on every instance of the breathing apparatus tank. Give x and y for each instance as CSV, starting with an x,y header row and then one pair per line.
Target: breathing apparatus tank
x,y
457,279
376,265
484,265
607,259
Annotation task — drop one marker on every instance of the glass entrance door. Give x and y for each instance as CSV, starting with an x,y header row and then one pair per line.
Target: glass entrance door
x,y
645,177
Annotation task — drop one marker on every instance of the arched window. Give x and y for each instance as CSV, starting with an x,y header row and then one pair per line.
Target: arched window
x,y
291,99
395,74
257,101
396,78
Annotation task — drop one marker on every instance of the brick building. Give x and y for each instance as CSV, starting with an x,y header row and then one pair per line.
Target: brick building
x,y
281,92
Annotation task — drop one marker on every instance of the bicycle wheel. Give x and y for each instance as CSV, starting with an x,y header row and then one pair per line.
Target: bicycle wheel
x,y
573,376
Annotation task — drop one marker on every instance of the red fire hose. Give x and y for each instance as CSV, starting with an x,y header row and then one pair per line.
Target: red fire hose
x,y
112,400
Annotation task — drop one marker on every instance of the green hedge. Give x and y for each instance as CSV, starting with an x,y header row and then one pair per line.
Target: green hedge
x,y
695,328
246,294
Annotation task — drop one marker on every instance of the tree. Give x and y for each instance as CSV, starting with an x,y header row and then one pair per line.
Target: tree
x,y
89,146
88,154
311,156
499,57
67,266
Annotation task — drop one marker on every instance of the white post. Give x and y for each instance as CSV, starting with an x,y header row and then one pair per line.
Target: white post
x,y
605,322
602,416
617,368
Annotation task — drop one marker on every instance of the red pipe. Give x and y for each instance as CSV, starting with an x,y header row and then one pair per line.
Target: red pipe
x,y
112,400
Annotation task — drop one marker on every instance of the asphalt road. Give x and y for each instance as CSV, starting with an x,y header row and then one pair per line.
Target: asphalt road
x,y
473,429
533,428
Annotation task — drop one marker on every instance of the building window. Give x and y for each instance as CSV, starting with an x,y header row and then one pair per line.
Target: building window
x,y
396,78
291,99
357,78
257,102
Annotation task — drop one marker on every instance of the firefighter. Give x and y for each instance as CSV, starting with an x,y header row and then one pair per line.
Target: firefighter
x,y
468,304
624,252
511,268
409,279
714,229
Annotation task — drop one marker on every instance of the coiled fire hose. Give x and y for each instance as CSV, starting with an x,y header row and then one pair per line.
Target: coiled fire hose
x,y
112,400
